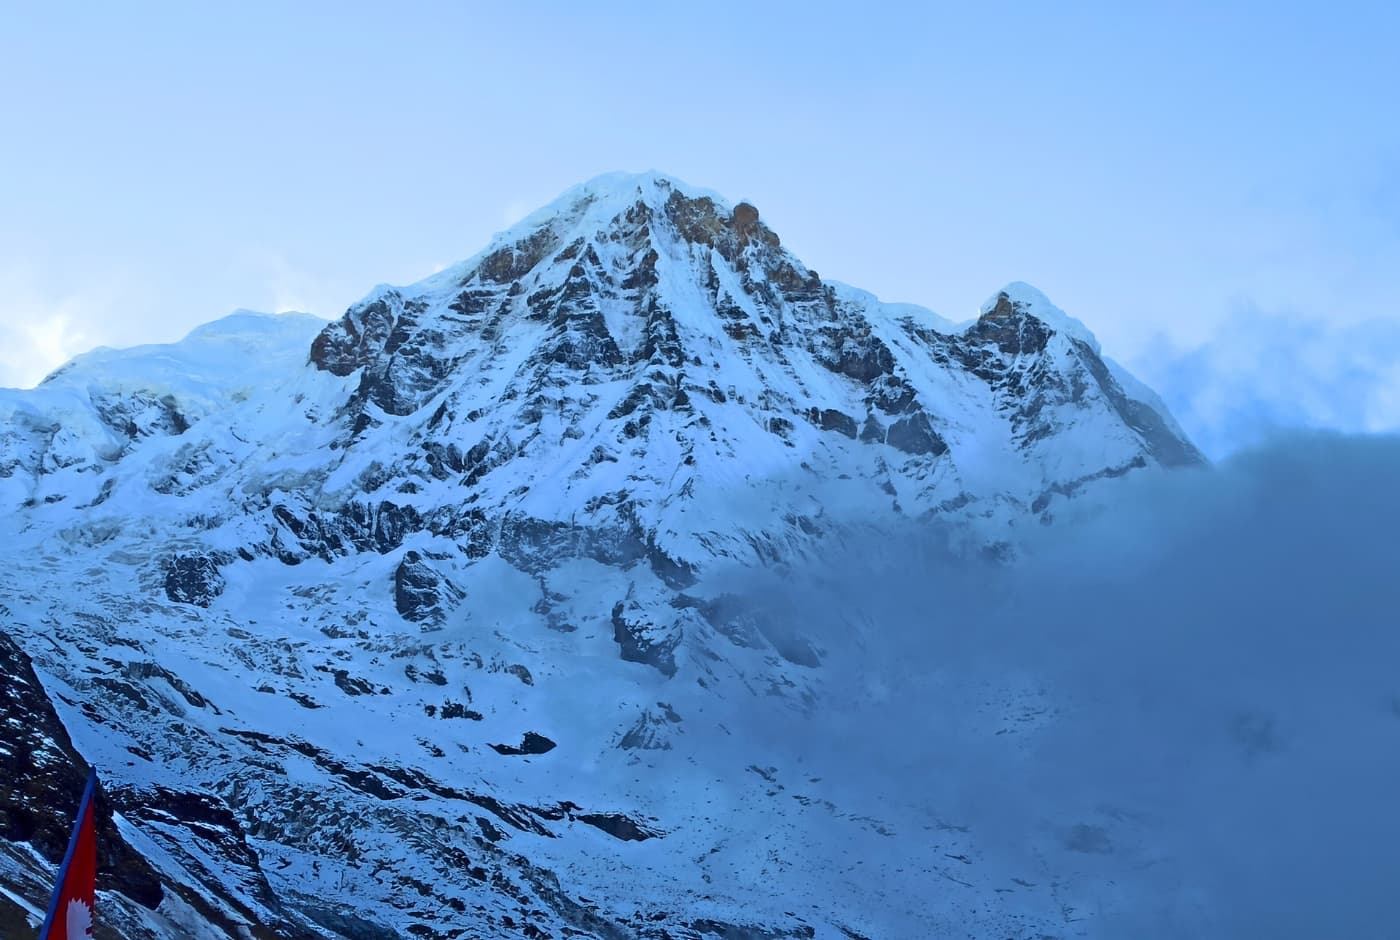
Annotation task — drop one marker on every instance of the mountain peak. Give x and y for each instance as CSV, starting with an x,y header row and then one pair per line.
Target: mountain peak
x,y
619,206
624,185
1018,297
603,198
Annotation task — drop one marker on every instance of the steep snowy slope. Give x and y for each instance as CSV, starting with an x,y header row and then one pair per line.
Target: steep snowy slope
x,y
92,411
432,607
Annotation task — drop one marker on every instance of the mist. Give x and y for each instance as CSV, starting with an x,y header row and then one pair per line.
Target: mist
x,y
1189,692
1263,373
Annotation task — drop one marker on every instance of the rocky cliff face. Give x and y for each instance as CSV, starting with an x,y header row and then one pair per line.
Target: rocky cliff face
x,y
416,623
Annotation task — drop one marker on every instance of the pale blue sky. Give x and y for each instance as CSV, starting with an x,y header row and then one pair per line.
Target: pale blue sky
x,y
1153,172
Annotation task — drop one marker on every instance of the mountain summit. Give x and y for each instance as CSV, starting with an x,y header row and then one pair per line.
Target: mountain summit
x,y
639,323
423,622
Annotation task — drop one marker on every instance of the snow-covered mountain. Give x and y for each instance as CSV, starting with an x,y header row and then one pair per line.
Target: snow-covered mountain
x,y
422,622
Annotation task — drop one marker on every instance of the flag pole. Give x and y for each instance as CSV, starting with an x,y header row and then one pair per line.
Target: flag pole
x,y
68,857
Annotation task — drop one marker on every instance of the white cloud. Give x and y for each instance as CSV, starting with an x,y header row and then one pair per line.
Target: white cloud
x,y
1263,372
34,349
39,331
292,289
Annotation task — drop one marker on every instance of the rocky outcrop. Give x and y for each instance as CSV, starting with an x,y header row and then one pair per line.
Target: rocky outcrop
x,y
531,743
299,533
642,639
193,579
141,414
652,730
356,339
422,594
856,354
914,434
618,826
829,419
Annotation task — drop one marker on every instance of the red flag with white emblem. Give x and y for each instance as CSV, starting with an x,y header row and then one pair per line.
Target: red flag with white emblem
x,y
70,912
